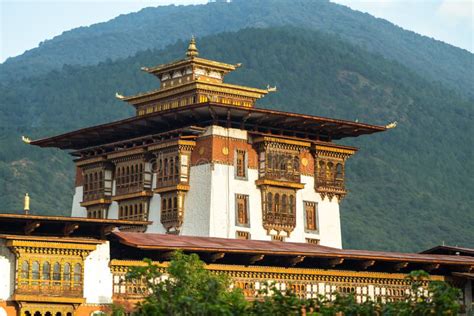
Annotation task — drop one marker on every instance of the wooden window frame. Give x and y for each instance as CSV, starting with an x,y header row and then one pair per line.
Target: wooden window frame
x,y
307,227
238,175
239,197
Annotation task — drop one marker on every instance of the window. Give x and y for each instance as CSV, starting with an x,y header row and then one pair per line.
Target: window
x,y
57,273
25,272
242,235
312,241
67,274
240,164
46,272
310,216
241,206
133,210
35,272
77,274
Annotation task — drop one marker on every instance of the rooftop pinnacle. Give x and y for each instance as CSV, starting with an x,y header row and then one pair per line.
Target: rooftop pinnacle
x,y
192,49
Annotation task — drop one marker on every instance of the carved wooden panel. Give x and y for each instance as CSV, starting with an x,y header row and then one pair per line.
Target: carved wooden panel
x,y
172,210
279,209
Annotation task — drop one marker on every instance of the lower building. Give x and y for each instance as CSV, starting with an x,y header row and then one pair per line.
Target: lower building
x,y
59,266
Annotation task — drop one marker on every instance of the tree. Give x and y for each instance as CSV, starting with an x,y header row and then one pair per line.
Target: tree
x,y
189,289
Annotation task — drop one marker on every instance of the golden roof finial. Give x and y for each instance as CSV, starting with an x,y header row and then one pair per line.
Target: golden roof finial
x,y
192,49
26,203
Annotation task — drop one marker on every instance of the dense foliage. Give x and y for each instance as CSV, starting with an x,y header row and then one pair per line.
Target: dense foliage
x,y
189,289
409,187
158,27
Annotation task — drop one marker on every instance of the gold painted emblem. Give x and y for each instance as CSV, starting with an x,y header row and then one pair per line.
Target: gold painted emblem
x,y
225,151
304,161
202,150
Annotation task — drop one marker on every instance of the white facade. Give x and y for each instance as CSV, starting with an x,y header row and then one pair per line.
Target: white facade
x,y
7,271
210,207
97,276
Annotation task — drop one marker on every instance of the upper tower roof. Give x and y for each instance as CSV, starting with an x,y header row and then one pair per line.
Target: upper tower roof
x,y
192,80
193,95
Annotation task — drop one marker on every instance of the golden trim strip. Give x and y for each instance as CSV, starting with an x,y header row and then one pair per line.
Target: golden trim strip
x,y
281,141
280,183
94,202
132,195
178,187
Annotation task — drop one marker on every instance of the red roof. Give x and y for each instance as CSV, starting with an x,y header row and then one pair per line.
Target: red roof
x,y
205,114
147,241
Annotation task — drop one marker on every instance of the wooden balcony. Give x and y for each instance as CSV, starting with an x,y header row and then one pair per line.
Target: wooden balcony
x,y
47,291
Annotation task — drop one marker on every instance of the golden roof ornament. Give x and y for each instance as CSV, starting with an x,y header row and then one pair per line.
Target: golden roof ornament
x,y
26,139
26,203
391,125
192,49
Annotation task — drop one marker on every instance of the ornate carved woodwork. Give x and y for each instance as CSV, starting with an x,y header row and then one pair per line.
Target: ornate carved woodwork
x,y
242,217
305,283
242,235
172,210
51,268
171,165
97,187
279,209
311,216
329,171
279,178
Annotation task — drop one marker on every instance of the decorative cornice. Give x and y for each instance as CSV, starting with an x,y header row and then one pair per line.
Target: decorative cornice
x,y
132,195
277,183
178,187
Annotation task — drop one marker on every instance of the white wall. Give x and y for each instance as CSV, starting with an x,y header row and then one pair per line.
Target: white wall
x,y
77,210
7,271
222,217
97,276
197,204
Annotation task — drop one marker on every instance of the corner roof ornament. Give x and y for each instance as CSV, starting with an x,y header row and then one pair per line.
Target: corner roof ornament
x,y
391,125
192,49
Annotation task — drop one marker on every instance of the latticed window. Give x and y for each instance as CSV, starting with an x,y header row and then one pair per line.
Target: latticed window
x,y
46,272
67,274
242,214
240,164
168,169
310,215
279,209
172,210
133,210
281,165
130,177
77,274
35,272
93,184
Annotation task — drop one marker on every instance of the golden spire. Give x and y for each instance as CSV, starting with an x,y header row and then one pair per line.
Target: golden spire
x,y
26,201
192,49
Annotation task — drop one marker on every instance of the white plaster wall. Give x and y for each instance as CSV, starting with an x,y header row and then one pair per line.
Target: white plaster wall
x,y
7,271
77,210
113,210
197,204
226,132
154,214
222,210
97,276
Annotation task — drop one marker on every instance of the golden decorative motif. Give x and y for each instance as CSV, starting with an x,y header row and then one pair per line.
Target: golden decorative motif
x,y
202,150
303,281
225,151
304,161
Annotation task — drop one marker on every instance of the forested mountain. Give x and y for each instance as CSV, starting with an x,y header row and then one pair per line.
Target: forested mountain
x,y
409,187
161,26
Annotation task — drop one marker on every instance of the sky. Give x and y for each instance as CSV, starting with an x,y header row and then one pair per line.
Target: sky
x,y
26,23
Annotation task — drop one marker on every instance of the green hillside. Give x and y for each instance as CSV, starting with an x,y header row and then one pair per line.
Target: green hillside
x,y
409,187
161,26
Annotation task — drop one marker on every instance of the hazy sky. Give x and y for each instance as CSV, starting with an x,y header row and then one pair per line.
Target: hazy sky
x,y
25,23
